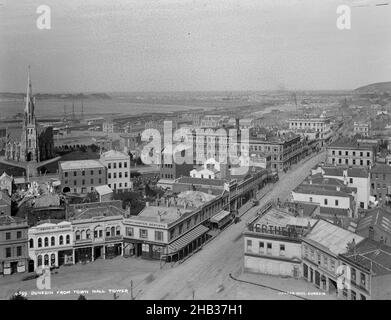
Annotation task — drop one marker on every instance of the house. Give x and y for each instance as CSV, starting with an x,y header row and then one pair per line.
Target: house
x,y
321,248
375,224
105,193
381,182
356,177
5,203
366,271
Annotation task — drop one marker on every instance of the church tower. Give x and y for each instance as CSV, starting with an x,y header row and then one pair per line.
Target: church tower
x,y
29,141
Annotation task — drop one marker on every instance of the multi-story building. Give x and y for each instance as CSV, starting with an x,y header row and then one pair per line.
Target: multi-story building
x,y
321,248
173,227
321,125
81,176
375,224
285,150
97,230
272,243
366,271
333,197
351,154
381,182
118,170
358,178
51,244
108,126
13,244
362,129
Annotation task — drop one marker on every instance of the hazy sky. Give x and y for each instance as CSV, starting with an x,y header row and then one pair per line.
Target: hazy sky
x,y
180,45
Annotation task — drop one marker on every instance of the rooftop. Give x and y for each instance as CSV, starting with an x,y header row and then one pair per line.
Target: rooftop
x,y
381,168
103,190
353,172
80,164
95,210
351,145
371,255
331,237
200,181
114,154
379,217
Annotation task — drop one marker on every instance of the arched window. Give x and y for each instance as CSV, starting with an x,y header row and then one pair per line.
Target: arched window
x,y
31,243
39,242
108,232
46,259
39,260
88,234
68,239
112,231
83,234
61,240
118,231
53,259
52,241
77,235
46,241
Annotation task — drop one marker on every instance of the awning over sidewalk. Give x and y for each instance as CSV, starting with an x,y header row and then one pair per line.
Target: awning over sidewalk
x,y
187,238
220,216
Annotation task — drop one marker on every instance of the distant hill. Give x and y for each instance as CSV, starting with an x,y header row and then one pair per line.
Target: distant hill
x,y
375,88
64,96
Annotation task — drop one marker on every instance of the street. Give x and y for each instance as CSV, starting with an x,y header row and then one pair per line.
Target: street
x,y
208,271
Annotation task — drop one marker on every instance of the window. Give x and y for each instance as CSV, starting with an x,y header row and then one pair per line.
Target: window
x,y
92,181
109,165
353,275
129,231
325,202
332,264
77,235
39,260
159,235
114,165
52,241
120,165
18,251
125,164
350,180
282,249
7,235
68,239
88,234
61,240
31,243
74,173
39,242
46,242
83,173
126,174
249,245
336,203
66,174
143,233
92,172
363,280
8,252
310,199
83,182
109,175
107,232
261,247
268,248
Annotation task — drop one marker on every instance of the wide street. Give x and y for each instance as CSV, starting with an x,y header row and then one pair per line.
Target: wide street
x,y
205,275
208,270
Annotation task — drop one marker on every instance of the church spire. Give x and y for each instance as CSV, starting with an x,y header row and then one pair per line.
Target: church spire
x,y
29,108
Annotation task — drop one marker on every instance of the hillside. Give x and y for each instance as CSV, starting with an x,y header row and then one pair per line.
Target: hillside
x,y
375,88
64,96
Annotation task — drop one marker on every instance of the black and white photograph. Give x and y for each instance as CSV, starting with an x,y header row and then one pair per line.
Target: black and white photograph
x,y
200,150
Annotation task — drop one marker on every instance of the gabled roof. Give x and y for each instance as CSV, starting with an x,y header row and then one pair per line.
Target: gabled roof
x,y
331,237
379,217
371,255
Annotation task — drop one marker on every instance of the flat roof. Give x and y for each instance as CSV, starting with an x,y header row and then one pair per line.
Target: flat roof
x,y
102,190
81,164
